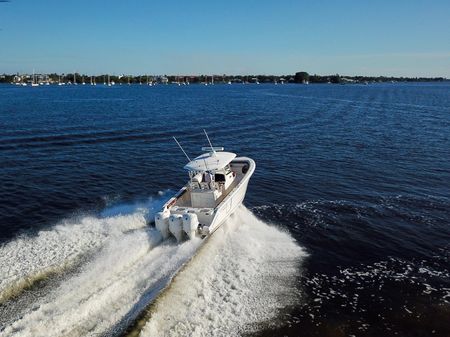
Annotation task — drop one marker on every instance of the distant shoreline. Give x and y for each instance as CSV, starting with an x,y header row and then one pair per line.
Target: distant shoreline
x,y
299,77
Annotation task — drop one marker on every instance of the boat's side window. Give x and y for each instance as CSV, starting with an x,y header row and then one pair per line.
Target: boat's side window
x,y
220,178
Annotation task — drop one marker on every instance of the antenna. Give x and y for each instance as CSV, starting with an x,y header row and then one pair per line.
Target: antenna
x,y
182,149
212,149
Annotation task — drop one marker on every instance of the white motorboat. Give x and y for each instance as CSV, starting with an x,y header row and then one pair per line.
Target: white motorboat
x,y
217,185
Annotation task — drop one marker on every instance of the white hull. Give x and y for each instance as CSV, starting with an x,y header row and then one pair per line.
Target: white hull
x,y
229,205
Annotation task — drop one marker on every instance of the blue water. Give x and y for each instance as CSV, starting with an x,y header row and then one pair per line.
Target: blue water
x,y
358,174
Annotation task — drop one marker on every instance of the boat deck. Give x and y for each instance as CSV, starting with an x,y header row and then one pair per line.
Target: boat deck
x,y
185,201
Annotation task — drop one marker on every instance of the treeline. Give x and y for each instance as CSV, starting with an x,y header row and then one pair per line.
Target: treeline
x,y
299,77
304,77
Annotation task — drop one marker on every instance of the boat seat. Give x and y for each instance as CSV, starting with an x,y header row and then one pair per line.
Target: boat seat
x,y
193,185
205,186
197,178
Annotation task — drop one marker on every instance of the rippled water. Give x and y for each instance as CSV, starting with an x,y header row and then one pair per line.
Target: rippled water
x,y
354,181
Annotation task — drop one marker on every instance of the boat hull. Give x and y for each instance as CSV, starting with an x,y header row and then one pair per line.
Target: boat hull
x,y
233,200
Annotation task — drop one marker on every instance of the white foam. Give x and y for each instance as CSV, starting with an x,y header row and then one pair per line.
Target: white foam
x,y
106,289
242,277
27,259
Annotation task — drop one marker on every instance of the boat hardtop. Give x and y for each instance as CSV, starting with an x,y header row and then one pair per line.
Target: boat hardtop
x,y
211,161
217,185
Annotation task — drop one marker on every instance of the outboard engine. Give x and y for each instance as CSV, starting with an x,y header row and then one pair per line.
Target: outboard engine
x,y
162,223
190,224
176,226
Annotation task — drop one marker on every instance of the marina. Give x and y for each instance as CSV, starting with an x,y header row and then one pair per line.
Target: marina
x,y
302,78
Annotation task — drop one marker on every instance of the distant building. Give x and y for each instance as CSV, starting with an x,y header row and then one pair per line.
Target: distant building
x,y
18,79
347,80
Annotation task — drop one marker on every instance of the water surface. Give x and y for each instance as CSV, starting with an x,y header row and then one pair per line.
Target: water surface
x,y
358,176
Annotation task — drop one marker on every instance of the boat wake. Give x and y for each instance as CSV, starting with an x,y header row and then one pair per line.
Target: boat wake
x,y
111,267
31,258
236,284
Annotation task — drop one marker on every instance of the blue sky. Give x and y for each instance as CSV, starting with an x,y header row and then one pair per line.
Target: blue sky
x,y
402,38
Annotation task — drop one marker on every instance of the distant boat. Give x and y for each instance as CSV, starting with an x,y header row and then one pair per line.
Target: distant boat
x,y
34,83
82,80
229,82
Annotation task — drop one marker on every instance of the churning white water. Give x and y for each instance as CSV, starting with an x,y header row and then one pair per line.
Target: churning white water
x,y
27,259
240,277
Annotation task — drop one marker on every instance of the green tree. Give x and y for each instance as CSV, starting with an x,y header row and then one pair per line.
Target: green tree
x,y
301,77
